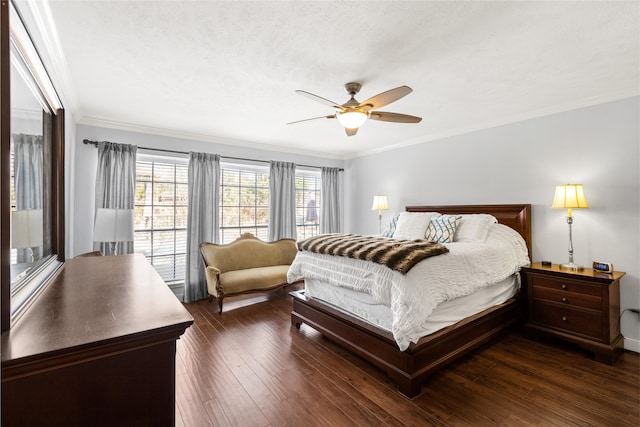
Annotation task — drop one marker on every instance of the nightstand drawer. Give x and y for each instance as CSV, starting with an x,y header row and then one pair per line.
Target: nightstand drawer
x,y
565,285
576,321
566,297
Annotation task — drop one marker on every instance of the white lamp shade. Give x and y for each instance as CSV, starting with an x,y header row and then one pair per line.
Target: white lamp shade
x,y
26,228
113,225
569,196
352,119
379,203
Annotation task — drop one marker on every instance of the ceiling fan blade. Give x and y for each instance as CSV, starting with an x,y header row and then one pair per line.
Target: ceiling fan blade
x,y
394,117
313,118
384,98
351,131
321,100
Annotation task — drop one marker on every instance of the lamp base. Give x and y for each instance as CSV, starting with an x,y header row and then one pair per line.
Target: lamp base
x,y
571,267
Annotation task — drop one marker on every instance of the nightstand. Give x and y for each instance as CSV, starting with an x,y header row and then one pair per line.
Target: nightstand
x,y
578,306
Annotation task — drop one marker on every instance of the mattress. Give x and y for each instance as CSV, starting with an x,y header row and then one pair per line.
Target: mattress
x,y
366,308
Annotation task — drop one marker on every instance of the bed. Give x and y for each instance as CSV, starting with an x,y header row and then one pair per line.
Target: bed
x,y
409,367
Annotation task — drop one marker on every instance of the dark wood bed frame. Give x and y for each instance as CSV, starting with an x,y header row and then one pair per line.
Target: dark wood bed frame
x,y
410,368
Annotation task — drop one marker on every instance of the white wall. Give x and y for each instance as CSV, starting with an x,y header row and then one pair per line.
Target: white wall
x,y
521,163
85,159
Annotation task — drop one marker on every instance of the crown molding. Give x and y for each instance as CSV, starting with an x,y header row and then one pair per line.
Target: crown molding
x,y
507,120
130,127
42,29
26,114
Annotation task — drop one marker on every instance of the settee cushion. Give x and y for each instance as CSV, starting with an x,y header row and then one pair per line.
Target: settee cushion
x,y
253,278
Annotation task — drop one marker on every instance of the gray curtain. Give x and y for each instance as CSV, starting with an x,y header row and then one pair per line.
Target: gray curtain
x,y
27,151
330,216
115,185
28,179
202,219
282,201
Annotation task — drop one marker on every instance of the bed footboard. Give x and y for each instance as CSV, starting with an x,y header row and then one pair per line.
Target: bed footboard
x,y
409,368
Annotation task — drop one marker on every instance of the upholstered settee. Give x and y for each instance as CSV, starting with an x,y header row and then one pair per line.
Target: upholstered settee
x,y
246,265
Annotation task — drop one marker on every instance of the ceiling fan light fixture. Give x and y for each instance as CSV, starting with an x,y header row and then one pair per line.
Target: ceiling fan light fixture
x,y
352,119
352,114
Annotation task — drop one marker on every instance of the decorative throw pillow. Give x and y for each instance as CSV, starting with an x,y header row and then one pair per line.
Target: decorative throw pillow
x,y
391,227
442,228
412,225
474,227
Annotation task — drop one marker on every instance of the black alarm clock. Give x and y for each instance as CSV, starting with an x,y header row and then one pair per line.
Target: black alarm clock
x,y
604,267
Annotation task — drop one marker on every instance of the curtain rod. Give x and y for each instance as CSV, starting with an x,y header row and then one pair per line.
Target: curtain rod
x,y
95,143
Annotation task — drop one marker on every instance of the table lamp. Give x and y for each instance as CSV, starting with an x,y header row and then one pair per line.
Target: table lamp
x,y
113,225
569,196
380,203
26,230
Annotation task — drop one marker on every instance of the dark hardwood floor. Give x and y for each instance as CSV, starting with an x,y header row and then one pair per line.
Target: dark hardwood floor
x,y
250,367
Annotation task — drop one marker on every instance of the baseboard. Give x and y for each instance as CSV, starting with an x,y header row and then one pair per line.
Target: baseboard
x,y
632,345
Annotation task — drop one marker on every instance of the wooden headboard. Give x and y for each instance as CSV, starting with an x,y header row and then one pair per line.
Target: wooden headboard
x,y
517,217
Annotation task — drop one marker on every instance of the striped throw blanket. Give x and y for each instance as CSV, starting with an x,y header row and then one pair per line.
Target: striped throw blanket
x,y
398,255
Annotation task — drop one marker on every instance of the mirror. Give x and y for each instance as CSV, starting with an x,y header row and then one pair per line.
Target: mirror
x,y
32,170
31,135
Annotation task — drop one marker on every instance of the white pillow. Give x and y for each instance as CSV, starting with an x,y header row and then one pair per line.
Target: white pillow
x,y
413,225
442,228
474,227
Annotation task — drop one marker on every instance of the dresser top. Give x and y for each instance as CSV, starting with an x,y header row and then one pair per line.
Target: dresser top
x,y
95,301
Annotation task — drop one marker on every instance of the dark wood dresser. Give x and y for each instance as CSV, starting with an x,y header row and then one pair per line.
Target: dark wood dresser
x,y
96,348
578,306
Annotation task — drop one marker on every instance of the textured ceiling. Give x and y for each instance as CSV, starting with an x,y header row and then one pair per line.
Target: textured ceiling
x,y
227,71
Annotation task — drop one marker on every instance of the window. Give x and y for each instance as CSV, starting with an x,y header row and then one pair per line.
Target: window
x,y
161,201
244,202
308,185
161,214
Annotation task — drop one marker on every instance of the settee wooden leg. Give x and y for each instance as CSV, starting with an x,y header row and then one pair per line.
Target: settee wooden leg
x,y
219,300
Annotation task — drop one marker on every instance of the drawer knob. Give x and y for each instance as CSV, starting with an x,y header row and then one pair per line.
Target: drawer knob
x,y
564,286
564,318
564,299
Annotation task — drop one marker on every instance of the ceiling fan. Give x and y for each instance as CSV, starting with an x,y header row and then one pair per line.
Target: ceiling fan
x,y
353,114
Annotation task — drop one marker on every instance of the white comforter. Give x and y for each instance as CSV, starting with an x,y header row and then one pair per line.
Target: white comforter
x,y
412,297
